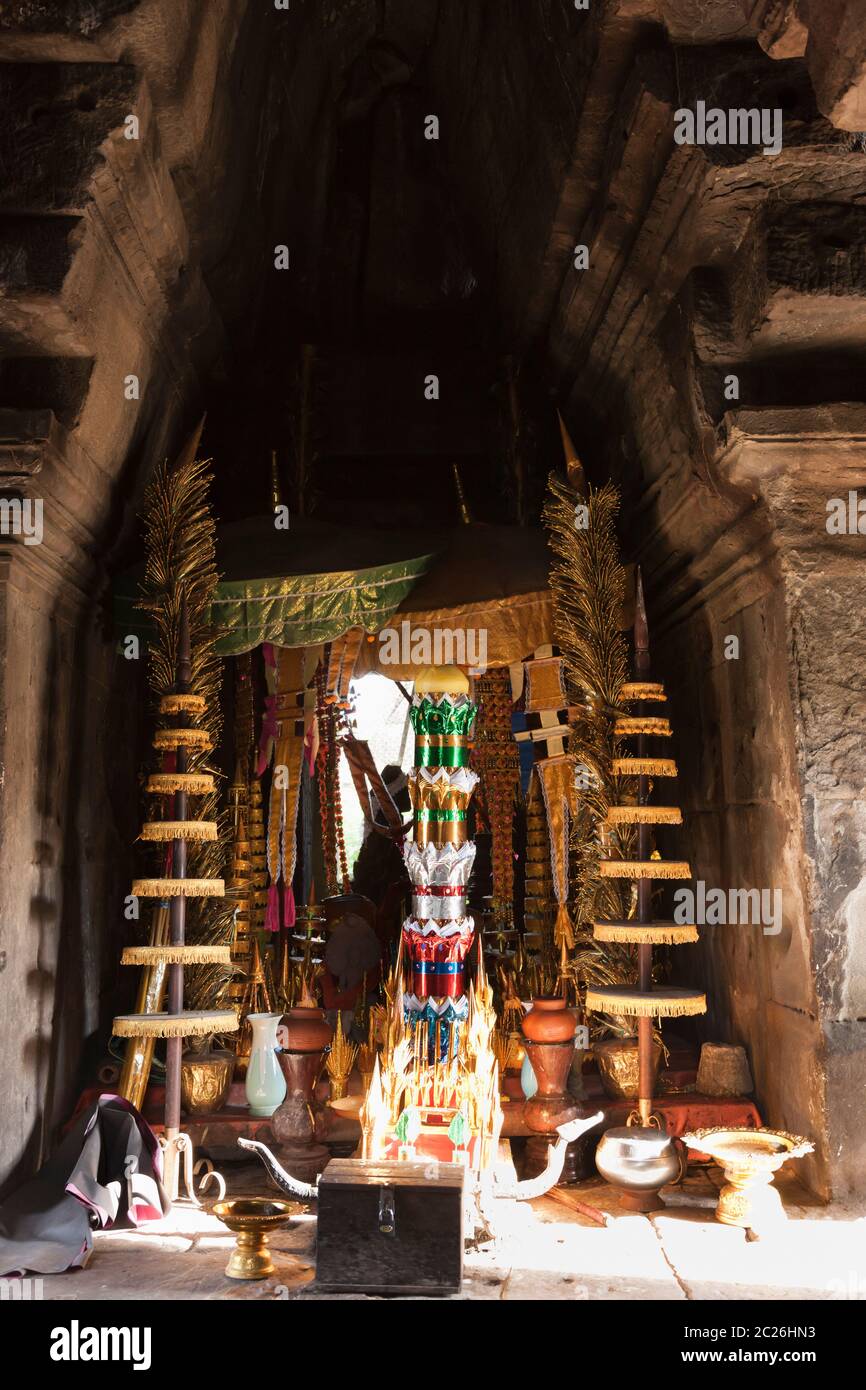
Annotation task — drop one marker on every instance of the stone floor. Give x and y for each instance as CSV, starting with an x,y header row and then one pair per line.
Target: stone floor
x,y
541,1250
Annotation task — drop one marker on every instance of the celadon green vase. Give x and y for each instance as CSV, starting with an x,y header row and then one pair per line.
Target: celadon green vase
x,y
265,1084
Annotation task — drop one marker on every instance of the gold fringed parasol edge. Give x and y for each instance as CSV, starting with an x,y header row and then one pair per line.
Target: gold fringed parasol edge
x,y
644,933
178,888
627,725
182,704
644,868
642,690
165,783
199,739
189,1025
176,955
660,1003
166,830
644,815
645,767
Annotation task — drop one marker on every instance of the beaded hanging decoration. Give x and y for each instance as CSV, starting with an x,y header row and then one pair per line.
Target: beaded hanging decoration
x,y
497,760
330,804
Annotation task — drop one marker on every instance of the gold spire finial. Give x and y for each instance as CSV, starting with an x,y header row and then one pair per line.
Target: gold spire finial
x,y
573,466
462,504
276,489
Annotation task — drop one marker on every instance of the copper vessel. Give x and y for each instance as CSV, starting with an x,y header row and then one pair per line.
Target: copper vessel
x,y
304,1029
294,1122
549,1021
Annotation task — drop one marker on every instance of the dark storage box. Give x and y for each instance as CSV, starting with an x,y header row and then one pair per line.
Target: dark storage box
x,y
390,1227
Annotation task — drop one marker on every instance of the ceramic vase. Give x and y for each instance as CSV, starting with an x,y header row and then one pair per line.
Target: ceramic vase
x,y
265,1083
528,1081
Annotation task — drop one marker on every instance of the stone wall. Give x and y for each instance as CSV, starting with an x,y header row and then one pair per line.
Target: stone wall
x,y
107,244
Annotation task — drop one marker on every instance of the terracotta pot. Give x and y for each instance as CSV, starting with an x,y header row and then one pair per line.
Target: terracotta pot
x,y
549,1021
617,1060
304,1030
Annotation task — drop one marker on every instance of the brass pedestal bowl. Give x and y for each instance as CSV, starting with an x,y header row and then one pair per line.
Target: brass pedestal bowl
x,y
252,1219
750,1158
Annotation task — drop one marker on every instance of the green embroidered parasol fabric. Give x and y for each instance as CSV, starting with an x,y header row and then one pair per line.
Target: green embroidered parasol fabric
x,y
295,588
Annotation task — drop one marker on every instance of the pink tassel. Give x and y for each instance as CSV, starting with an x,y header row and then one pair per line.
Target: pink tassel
x,y
272,915
289,913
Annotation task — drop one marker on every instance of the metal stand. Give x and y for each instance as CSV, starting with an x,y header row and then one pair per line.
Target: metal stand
x,y
179,1160
176,1147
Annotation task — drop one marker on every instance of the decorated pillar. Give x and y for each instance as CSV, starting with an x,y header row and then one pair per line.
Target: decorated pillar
x,y
439,933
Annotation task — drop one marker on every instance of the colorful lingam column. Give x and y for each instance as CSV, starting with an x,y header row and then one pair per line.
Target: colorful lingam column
x,y
438,934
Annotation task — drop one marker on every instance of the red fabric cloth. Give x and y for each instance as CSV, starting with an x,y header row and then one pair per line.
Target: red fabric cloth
x,y
684,1113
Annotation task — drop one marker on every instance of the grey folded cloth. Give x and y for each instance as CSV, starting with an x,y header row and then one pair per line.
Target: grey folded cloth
x,y
107,1172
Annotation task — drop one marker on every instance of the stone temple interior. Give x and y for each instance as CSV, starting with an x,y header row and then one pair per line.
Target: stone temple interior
x,y
706,353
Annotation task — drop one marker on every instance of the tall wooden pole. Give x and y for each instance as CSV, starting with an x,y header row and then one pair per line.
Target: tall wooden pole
x,y
644,890
177,925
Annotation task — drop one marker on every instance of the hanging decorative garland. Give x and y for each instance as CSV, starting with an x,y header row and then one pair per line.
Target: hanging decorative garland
x,y
330,804
497,761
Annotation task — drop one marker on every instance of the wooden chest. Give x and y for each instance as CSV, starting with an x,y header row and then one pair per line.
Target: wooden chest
x,y
390,1227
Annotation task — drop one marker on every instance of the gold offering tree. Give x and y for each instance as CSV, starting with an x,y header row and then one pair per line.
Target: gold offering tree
x,y
639,720
181,736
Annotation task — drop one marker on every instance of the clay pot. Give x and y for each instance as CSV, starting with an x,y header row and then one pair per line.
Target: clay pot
x,y
549,1021
617,1060
304,1030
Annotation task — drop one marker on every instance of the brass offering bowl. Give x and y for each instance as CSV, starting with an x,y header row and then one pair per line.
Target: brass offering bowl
x,y
252,1219
750,1158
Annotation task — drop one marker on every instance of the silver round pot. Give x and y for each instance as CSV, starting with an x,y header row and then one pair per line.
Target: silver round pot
x,y
637,1159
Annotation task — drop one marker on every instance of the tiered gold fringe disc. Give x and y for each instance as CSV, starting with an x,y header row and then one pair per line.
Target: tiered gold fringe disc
x,y
628,724
182,704
644,767
642,690
165,783
644,815
644,933
190,1025
176,955
165,830
643,868
197,739
668,1001
178,888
